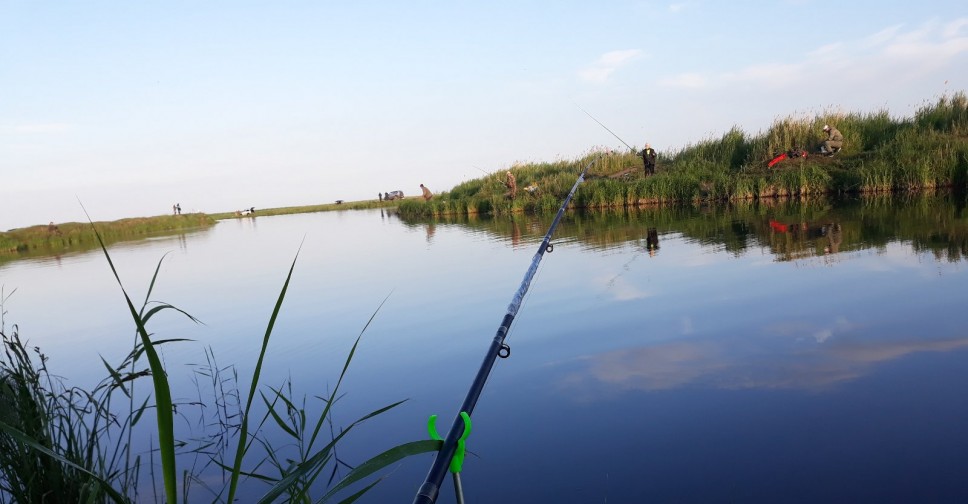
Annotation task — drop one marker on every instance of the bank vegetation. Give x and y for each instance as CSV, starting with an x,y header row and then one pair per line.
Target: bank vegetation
x,y
881,154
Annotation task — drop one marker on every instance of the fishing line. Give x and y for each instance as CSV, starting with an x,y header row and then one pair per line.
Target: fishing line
x,y
606,127
625,269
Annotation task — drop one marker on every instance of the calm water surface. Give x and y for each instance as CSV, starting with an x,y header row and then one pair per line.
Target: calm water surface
x,y
785,353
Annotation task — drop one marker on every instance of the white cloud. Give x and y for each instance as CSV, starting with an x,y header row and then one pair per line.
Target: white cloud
x,y
826,53
954,28
676,7
930,43
607,63
891,51
881,37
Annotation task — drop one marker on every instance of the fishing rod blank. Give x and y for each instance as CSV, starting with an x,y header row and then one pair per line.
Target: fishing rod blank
x,y
427,494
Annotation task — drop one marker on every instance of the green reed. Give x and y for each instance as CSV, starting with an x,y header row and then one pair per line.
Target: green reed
x,y
881,153
55,238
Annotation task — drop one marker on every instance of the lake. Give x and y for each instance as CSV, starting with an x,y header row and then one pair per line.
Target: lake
x,y
771,352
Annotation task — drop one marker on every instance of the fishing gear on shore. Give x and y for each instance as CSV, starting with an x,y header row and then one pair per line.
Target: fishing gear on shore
x,y
443,460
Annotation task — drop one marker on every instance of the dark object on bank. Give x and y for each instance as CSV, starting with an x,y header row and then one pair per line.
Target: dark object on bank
x,y
393,195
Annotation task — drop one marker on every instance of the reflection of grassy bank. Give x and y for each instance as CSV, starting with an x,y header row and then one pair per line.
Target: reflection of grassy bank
x,y
881,154
789,228
44,240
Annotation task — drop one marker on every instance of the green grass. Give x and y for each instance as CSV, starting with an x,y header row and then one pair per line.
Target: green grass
x,y
44,240
881,154
73,236
323,207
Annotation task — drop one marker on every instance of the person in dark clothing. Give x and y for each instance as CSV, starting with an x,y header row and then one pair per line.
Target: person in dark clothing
x,y
648,158
378,195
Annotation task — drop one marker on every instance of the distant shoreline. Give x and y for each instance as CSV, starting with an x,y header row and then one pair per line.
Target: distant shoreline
x,y
43,240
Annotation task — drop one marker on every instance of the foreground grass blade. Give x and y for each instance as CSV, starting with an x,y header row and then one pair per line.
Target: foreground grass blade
x,y
346,365
166,430
381,461
244,429
313,463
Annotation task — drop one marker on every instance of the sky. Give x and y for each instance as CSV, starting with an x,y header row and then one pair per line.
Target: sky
x,y
131,107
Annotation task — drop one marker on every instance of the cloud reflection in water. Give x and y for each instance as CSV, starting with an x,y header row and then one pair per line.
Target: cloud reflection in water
x,y
814,364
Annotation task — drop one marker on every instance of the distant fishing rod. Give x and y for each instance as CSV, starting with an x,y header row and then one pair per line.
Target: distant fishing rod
x,y
606,127
427,494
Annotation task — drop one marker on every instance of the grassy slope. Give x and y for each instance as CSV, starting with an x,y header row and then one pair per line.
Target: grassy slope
x,y
881,154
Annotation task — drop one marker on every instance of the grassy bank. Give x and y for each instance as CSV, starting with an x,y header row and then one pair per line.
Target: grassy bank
x,y
47,240
881,154
71,236
325,207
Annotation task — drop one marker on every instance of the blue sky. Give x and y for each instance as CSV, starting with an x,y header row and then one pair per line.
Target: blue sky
x,y
133,106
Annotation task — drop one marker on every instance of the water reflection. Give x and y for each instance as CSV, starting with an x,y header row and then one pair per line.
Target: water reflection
x,y
708,325
791,230
715,364
652,241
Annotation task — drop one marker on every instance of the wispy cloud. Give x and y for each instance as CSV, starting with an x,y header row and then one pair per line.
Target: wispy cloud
x,y
881,37
892,50
932,42
608,63
677,7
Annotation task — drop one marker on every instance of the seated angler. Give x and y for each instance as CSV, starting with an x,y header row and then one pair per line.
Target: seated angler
x,y
834,141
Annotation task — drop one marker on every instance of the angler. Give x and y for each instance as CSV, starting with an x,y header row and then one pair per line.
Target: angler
x,y
430,489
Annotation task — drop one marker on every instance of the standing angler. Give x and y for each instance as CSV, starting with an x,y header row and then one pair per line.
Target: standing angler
x,y
648,157
511,184
427,195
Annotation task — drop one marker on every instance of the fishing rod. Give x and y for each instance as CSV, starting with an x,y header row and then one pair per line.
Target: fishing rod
x,y
427,494
606,127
